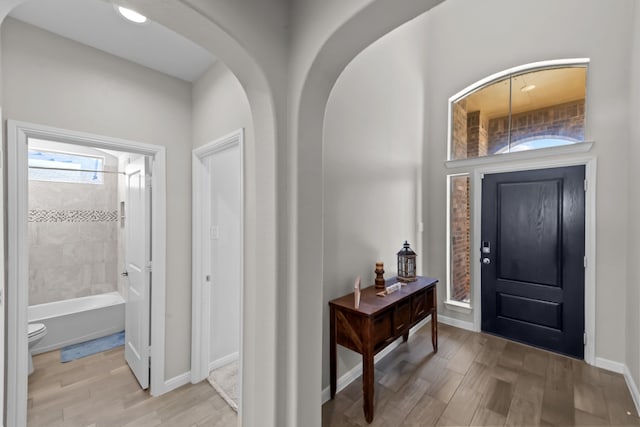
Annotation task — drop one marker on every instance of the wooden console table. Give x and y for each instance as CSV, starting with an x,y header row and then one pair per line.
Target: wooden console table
x,y
377,323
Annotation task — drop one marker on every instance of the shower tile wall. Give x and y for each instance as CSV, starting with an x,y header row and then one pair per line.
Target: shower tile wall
x,y
73,238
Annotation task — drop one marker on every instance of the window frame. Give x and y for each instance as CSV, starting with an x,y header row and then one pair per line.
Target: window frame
x,y
501,75
70,153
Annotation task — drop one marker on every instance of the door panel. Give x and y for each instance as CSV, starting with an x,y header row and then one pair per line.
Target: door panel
x,y
533,268
530,310
529,219
138,307
225,216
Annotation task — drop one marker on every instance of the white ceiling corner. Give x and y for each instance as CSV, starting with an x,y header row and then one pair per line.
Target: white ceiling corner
x,y
96,23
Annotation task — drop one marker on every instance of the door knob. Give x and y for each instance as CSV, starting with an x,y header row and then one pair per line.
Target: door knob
x,y
486,261
124,274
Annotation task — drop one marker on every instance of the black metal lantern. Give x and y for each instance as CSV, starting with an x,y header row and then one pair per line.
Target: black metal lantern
x,y
406,264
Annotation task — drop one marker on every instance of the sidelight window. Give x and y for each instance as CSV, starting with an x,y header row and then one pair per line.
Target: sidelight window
x,y
459,239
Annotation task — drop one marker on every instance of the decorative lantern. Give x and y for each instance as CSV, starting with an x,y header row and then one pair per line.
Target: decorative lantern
x,y
406,264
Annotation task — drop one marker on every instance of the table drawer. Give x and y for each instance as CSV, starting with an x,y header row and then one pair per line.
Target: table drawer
x,y
402,317
382,328
419,307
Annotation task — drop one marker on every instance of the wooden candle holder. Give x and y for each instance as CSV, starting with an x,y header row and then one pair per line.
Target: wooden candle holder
x,y
379,282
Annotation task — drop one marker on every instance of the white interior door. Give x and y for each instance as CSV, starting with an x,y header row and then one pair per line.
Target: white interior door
x,y
225,220
138,262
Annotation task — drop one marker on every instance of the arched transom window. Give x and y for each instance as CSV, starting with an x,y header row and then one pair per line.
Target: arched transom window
x,y
530,107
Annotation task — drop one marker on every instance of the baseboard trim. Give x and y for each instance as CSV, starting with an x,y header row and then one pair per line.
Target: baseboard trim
x,y
223,361
356,371
633,388
462,324
623,369
175,382
610,365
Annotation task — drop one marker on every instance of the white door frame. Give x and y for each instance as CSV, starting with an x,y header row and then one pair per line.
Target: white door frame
x,y
590,164
18,253
2,288
201,289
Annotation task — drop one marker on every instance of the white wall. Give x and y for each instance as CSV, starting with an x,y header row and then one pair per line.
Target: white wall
x,y
633,236
372,160
467,41
220,106
52,81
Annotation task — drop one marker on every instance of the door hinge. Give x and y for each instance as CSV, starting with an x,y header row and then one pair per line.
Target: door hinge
x,y
586,185
148,267
584,261
584,338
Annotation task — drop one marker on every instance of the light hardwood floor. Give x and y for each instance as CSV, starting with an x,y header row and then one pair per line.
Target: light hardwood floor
x,y
481,380
100,390
475,379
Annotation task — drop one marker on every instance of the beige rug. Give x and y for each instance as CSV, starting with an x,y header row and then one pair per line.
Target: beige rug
x,y
225,381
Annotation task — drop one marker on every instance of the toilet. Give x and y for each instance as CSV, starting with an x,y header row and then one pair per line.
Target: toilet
x,y
37,331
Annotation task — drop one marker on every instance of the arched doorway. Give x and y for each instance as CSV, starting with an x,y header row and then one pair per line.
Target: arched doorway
x,y
260,180
340,47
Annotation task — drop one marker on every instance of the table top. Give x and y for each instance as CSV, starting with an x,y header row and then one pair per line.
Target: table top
x,y
371,304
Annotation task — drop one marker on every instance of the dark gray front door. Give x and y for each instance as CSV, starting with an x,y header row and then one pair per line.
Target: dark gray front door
x,y
532,255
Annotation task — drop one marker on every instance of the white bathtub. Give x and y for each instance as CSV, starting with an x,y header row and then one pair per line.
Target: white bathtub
x,y
78,320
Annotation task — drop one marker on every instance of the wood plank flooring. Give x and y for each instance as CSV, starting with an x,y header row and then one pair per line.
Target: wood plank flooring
x,y
100,390
481,380
475,379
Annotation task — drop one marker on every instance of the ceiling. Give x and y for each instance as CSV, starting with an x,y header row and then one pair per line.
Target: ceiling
x,y
552,86
96,23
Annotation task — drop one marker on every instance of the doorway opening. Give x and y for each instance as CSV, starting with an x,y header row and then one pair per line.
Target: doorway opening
x,y
63,246
532,163
218,265
533,257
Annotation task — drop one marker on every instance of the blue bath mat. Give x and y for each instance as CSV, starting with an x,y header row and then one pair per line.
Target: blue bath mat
x,y
76,351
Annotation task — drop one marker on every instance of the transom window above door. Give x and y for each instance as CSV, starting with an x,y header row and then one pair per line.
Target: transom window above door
x,y
529,107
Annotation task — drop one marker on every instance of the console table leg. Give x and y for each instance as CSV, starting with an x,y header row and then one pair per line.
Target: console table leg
x,y
332,351
367,385
434,332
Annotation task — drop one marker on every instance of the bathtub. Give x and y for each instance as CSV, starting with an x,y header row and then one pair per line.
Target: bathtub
x,y
78,320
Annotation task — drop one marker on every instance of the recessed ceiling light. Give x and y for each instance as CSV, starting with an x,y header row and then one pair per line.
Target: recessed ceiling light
x,y
132,15
527,88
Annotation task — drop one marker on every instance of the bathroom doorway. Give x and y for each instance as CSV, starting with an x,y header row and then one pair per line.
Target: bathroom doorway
x,y
101,267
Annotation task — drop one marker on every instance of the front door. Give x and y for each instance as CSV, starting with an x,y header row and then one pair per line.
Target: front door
x,y
532,254
138,229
